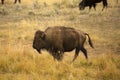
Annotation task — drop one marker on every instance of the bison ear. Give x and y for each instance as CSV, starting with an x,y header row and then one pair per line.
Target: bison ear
x,y
43,36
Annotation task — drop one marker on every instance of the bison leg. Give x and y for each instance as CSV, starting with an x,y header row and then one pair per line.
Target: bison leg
x,y
76,54
19,1
15,2
54,55
104,4
2,1
90,6
94,5
58,55
61,55
85,52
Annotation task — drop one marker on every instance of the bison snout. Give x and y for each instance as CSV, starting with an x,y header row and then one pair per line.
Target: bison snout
x,y
33,46
38,51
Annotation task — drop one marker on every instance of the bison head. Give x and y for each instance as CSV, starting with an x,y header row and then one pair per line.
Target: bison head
x,y
38,42
82,5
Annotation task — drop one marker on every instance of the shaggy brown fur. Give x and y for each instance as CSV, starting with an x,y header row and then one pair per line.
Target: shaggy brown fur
x,y
58,40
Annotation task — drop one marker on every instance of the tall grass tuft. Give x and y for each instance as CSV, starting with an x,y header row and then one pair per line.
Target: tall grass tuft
x,y
3,11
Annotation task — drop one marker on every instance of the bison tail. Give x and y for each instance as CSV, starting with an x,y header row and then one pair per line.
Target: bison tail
x,y
89,40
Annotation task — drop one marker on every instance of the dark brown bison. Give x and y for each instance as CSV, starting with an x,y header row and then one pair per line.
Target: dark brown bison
x,y
91,3
58,40
2,1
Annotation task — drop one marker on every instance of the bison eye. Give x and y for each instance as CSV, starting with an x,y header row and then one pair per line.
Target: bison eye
x,y
43,36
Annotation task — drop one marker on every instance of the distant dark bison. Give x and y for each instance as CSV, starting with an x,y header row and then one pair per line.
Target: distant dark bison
x,y
60,39
2,1
91,3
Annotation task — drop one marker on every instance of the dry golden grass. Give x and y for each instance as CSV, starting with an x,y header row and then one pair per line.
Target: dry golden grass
x,y
19,61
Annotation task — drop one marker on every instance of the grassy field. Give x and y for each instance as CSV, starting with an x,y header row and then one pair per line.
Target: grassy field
x,y
18,23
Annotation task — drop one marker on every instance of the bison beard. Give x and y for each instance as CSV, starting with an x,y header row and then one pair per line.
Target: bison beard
x,y
59,39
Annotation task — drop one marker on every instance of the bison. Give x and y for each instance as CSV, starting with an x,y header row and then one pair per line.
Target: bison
x,y
91,3
2,1
60,39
